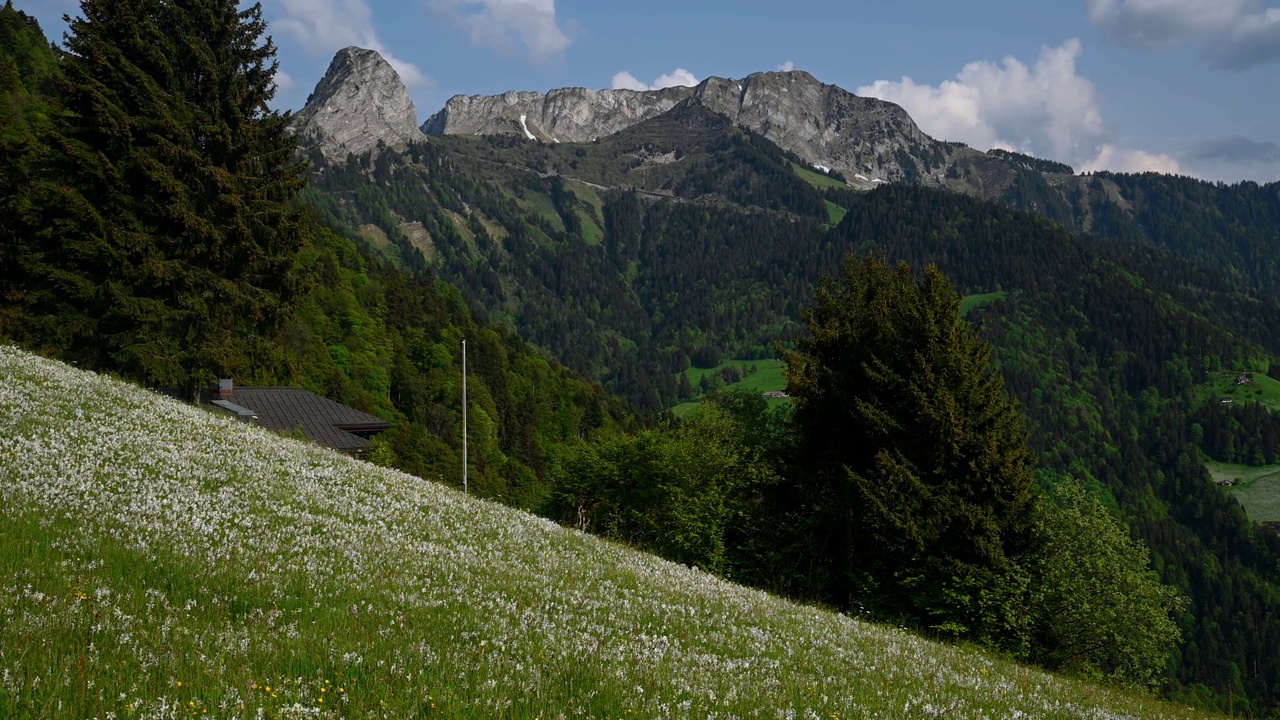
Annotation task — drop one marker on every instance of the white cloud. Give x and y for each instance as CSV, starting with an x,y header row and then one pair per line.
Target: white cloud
x,y
1231,34
1131,161
323,27
1045,109
626,81
676,78
528,27
787,66
285,81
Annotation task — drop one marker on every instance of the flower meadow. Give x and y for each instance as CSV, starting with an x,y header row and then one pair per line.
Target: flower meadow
x,y
160,561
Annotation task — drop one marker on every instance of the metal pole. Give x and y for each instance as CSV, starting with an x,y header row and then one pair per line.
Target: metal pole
x,y
464,416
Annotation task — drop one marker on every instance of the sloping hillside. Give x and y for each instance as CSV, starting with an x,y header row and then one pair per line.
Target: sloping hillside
x,y
160,561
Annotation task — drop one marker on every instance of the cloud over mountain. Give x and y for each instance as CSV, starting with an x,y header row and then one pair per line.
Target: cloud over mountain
x,y
323,27
676,78
518,27
1231,34
1045,109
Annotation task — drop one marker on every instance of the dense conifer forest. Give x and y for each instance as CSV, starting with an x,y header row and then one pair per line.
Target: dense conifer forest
x,y
90,281
933,470
1106,340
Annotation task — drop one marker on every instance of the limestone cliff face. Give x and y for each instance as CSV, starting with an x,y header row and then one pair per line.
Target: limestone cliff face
x,y
868,140
360,101
566,115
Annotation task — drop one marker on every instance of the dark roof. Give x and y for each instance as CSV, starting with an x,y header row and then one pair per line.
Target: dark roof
x,y
320,419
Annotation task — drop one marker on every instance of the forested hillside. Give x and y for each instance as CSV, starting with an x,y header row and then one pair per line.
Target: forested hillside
x,y
1107,343
342,322
172,233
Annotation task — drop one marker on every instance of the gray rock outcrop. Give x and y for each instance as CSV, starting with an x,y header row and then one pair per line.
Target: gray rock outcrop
x,y
359,102
866,139
565,115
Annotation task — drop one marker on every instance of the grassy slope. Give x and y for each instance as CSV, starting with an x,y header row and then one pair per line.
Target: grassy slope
x,y
817,179
970,302
541,204
835,212
1257,488
1263,389
159,561
768,376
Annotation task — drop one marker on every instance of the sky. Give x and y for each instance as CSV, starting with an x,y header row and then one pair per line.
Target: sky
x,y
1182,86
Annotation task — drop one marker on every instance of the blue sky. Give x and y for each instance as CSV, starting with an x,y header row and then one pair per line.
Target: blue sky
x,y
1189,86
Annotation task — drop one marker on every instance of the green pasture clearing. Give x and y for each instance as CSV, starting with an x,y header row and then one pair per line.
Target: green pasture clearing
x,y
377,239
1263,389
461,226
591,232
541,204
1257,488
835,212
768,377
815,178
972,302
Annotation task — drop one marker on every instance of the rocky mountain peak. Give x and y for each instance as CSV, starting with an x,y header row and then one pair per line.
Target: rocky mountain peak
x,y
359,102
867,140
566,115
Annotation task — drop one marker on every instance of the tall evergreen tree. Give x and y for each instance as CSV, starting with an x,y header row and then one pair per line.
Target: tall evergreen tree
x,y
192,180
920,480
28,71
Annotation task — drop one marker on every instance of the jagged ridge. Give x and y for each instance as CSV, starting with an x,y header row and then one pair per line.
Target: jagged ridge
x,y
863,138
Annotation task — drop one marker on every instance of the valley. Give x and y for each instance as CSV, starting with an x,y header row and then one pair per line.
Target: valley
x,y
773,403
1107,323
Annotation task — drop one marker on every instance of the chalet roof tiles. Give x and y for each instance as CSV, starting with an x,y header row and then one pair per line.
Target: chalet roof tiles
x,y
320,419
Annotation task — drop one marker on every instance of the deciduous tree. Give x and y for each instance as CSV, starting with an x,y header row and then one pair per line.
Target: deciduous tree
x,y
1099,607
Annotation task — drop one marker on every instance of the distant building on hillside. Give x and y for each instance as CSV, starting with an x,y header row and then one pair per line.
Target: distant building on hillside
x,y
286,409
775,394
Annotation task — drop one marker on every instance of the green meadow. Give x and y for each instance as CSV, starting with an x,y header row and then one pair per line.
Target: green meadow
x,y
972,302
1263,389
768,377
1256,488
160,561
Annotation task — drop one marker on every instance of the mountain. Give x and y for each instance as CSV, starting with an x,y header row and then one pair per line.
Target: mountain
x,y
380,338
692,232
628,256
865,139
567,115
359,102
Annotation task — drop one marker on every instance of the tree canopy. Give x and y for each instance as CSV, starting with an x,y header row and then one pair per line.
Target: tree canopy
x,y
919,477
161,223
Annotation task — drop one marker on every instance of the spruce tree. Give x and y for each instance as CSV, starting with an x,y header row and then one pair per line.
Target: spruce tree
x,y
192,179
919,480
28,294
